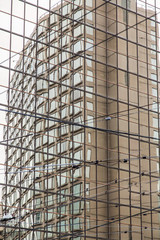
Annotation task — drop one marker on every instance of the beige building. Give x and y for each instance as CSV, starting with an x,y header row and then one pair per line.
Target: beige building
x,y
132,80
84,119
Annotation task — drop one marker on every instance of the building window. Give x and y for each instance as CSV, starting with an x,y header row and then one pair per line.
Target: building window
x,y
62,226
89,89
75,224
76,238
89,15
154,76
38,235
154,63
77,78
126,3
126,79
89,137
78,155
61,179
62,211
155,122
78,139
89,3
155,106
49,182
153,23
154,92
90,121
49,215
62,163
155,135
76,207
61,196
89,76
90,106
49,200
38,202
37,217
87,189
89,151
153,46
76,174
153,35
78,31
76,94
48,233
87,172
76,190
89,44
78,15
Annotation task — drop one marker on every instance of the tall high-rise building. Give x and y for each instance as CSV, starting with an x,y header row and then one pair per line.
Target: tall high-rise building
x,y
82,154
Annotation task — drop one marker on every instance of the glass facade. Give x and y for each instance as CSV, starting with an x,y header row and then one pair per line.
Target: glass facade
x,y
82,159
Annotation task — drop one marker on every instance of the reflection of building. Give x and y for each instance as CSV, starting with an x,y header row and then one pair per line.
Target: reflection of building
x,y
75,175
133,80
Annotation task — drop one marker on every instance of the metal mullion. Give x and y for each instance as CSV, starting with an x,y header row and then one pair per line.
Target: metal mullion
x,y
60,109
128,103
147,58
149,122
72,127
107,127
35,122
139,126
21,139
95,115
118,126
47,31
158,88
149,144
84,113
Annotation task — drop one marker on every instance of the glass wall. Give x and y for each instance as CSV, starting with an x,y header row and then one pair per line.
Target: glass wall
x,y
82,155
